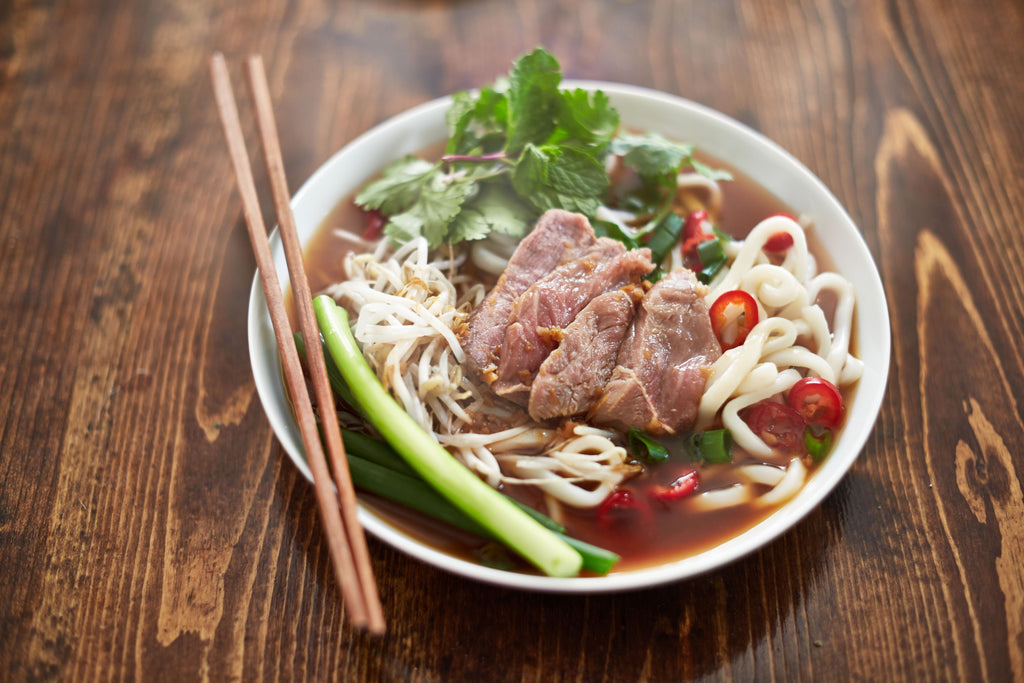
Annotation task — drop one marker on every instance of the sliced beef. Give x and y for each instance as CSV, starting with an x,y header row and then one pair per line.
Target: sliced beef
x,y
541,313
558,236
662,365
572,377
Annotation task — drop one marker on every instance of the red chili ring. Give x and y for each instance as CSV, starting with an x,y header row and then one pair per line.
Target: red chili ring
x,y
744,322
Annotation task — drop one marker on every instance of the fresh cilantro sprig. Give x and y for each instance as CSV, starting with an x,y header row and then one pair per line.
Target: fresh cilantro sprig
x,y
515,149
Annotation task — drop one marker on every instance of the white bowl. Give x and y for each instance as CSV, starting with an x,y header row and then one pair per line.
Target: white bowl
x,y
640,109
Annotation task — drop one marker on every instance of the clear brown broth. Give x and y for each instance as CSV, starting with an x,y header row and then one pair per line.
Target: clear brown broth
x,y
673,531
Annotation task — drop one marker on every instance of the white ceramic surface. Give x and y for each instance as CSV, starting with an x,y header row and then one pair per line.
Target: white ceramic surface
x,y
640,109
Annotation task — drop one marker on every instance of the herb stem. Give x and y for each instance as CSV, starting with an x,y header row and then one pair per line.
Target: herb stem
x,y
495,156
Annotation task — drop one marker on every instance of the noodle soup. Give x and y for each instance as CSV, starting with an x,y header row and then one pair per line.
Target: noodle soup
x,y
650,530
763,172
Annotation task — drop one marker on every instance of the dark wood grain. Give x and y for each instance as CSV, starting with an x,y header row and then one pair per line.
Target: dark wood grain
x,y
151,528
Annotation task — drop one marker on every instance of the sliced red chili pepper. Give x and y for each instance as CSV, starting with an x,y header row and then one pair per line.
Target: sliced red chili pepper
x,y
732,327
678,489
817,400
619,506
778,425
693,235
375,222
779,242
694,225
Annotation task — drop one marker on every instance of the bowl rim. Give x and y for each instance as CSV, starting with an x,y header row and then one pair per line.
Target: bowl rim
x,y
411,130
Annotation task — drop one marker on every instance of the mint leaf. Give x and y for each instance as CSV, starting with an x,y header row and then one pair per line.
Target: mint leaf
x,y
652,155
533,99
471,224
550,177
399,187
708,172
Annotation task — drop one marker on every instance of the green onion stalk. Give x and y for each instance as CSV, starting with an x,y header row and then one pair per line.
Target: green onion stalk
x,y
489,508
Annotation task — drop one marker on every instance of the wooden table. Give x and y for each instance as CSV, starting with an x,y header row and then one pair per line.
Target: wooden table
x,y
151,527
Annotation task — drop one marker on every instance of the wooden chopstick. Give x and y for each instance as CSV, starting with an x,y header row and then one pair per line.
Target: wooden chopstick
x,y
310,331
345,539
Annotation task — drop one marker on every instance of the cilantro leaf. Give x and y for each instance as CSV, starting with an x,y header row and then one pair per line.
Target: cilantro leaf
x,y
517,148
399,187
429,204
403,227
495,209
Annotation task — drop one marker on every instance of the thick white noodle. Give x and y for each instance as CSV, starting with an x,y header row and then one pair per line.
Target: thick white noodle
x,y
692,180
732,368
769,475
796,474
726,497
784,483
492,253
751,253
792,333
838,355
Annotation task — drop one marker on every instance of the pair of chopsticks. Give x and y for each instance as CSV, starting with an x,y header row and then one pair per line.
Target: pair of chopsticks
x,y
345,539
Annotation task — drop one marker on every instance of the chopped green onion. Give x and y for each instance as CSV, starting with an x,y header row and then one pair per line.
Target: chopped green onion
x,y
817,446
706,275
712,257
714,445
646,448
665,236
540,546
710,251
